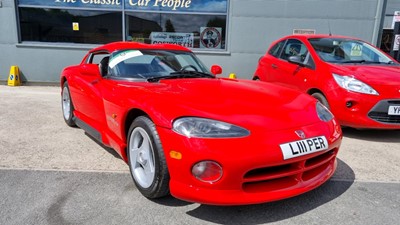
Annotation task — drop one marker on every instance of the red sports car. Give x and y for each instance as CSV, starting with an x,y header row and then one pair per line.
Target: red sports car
x,y
201,138
359,83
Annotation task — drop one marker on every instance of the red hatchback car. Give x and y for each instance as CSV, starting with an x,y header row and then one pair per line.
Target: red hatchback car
x,y
201,138
359,83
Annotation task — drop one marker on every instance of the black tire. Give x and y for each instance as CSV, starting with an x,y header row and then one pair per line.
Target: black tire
x,y
321,98
67,106
145,152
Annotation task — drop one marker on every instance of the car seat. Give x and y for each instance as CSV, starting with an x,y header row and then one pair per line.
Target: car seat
x,y
103,66
292,49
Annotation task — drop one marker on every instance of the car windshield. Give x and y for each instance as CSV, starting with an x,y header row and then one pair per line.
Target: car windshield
x,y
342,50
154,64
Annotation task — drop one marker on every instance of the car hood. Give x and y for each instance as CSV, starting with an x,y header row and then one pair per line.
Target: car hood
x,y
387,75
241,102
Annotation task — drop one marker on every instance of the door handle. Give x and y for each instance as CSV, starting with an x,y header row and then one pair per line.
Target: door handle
x,y
94,81
274,66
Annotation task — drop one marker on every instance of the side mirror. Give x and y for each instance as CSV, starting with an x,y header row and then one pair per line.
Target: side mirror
x,y
296,60
90,70
216,69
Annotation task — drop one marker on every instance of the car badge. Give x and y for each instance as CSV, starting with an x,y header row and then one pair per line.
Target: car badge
x,y
301,134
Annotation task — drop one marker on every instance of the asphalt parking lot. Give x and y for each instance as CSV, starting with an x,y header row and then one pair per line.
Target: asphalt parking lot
x,y
53,174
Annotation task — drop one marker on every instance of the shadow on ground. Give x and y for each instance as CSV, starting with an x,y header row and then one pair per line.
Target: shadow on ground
x,y
389,136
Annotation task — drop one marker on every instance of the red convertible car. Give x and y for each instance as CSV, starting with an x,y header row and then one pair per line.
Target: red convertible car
x,y
359,83
200,138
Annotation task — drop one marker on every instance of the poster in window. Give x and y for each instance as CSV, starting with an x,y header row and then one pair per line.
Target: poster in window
x,y
210,37
183,39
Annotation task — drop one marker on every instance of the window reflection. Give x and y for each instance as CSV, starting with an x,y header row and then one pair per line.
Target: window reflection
x,y
72,26
101,26
139,26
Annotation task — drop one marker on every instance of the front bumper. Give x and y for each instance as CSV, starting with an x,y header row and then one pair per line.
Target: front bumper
x,y
380,114
363,111
262,189
254,170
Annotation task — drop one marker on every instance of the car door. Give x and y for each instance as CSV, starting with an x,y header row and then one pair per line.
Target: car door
x,y
291,73
266,70
90,105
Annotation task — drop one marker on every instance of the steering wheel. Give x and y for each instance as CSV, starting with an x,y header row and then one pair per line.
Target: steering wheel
x,y
189,66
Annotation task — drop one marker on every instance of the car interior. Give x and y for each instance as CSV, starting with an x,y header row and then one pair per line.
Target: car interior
x,y
103,66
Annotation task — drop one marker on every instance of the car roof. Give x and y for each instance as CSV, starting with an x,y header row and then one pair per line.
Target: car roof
x,y
308,36
111,47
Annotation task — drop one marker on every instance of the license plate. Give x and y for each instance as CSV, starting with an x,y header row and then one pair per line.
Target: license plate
x,y
304,147
394,110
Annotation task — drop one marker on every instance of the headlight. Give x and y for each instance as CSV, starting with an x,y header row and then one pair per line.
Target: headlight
x,y
207,128
352,84
323,113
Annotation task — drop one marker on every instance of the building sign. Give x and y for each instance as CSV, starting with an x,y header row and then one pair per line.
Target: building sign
x,y
215,6
396,42
106,4
210,37
304,31
183,39
396,18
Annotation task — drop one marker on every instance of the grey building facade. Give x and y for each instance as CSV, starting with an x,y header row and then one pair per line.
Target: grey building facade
x,y
42,37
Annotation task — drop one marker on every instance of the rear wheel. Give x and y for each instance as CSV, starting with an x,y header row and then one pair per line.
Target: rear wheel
x,y
146,159
67,106
321,98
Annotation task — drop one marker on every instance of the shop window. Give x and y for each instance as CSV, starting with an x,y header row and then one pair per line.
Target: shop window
x,y
193,24
203,31
386,41
71,26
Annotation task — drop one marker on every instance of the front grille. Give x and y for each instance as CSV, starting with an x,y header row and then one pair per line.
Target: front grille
x,y
288,175
379,112
383,117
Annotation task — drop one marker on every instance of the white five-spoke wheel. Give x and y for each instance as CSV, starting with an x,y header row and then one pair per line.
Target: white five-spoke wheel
x,y
67,106
141,157
146,159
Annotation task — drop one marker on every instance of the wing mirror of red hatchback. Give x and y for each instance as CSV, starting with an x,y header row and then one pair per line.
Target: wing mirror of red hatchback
x,y
296,60
90,70
216,69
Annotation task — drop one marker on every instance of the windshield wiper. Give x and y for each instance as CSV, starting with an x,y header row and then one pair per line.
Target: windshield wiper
x,y
192,72
181,74
353,61
366,62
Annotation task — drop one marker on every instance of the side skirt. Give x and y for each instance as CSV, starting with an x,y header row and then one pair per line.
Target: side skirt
x,y
88,129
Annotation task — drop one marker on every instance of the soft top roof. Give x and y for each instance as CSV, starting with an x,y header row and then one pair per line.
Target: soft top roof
x,y
111,47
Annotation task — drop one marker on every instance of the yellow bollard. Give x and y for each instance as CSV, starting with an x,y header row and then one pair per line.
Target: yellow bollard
x,y
232,76
14,79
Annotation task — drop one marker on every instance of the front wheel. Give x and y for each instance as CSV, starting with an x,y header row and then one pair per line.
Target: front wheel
x,y
146,159
321,98
67,106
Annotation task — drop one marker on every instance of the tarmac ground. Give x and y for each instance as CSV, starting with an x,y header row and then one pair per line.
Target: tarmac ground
x,y
53,174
